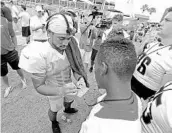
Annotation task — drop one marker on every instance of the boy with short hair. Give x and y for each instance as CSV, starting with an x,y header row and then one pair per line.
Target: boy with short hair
x,y
119,110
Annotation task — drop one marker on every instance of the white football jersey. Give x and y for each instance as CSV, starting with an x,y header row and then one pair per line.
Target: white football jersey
x,y
153,64
161,111
38,57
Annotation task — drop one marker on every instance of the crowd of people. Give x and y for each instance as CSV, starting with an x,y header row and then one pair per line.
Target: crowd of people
x,y
130,64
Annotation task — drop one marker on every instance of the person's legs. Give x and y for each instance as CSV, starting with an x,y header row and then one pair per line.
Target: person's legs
x,y
27,39
8,88
4,77
23,80
83,55
86,60
68,100
5,81
20,73
93,56
26,33
56,103
13,61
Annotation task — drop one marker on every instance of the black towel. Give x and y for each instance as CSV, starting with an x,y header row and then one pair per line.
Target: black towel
x,y
75,60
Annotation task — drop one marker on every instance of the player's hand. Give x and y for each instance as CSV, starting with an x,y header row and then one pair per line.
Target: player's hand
x,y
70,89
81,83
71,92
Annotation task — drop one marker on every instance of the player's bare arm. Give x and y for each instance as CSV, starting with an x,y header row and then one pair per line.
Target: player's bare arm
x,y
38,80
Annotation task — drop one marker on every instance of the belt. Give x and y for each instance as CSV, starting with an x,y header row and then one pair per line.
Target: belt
x,y
40,40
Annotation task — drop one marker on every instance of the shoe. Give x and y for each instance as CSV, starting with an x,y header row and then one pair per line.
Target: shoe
x,y
7,91
91,69
55,127
24,85
70,110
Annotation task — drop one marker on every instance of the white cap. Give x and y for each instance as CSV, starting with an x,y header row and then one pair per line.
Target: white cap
x,y
58,24
39,8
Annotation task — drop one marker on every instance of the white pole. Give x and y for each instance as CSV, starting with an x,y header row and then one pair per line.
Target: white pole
x,y
103,7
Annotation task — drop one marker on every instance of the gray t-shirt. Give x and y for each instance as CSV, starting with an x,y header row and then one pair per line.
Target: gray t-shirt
x,y
7,33
7,13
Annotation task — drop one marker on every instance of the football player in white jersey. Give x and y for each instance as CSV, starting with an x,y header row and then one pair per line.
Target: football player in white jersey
x,y
50,65
154,62
157,117
119,111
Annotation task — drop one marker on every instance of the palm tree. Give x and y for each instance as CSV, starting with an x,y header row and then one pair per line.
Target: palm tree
x,y
144,8
152,10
